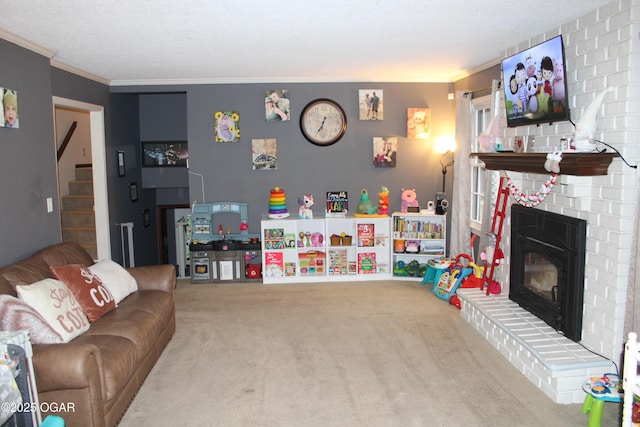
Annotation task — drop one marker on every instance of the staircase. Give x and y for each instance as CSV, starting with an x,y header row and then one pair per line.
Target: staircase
x,y
77,214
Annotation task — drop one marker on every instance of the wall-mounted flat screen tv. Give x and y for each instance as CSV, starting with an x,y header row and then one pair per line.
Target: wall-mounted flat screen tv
x,y
534,83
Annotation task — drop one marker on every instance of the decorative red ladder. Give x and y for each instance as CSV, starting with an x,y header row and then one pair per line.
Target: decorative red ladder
x,y
496,229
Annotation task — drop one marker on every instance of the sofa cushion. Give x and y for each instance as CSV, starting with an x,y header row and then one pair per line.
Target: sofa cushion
x,y
56,303
119,361
119,281
137,326
25,272
16,315
64,253
94,297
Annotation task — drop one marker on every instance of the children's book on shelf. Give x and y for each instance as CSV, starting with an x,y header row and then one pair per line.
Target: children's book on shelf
x,y
366,234
338,262
337,204
274,264
367,263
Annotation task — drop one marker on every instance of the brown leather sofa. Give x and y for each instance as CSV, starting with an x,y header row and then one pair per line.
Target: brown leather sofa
x,y
99,372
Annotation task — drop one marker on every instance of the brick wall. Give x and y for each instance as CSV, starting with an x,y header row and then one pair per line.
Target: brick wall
x,y
599,51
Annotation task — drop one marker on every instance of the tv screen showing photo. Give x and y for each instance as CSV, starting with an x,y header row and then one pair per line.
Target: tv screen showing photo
x,y
535,85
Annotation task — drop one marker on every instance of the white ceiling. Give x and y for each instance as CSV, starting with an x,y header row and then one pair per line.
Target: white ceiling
x,y
184,41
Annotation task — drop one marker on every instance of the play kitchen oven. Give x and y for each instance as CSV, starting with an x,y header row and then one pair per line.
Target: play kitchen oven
x,y
200,265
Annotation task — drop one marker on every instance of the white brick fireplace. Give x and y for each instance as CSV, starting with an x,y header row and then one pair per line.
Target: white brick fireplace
x,y
599,51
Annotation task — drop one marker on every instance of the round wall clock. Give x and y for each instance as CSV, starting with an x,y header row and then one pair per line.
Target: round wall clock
x,y
323,122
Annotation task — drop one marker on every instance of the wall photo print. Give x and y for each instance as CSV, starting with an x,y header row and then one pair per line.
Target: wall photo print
x,y
418,122
163,154
9,113
370,104
277,106
384,152
264,154
227,126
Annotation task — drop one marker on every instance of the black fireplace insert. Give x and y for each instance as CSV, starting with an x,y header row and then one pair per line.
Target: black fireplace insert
x,y
547,267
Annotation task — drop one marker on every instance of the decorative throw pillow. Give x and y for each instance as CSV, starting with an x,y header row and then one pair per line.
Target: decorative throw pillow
x,y
93,296
16,315
119,281
56,303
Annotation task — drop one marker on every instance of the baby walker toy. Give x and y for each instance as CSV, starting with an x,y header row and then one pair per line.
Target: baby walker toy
x,y
452,278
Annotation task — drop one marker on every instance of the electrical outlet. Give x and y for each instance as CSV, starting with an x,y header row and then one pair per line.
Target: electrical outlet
x,y
49,204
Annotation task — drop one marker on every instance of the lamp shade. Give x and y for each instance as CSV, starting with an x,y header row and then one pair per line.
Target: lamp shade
x,y
445,143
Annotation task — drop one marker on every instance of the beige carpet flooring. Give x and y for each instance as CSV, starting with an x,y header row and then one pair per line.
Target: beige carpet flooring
x,y
335,354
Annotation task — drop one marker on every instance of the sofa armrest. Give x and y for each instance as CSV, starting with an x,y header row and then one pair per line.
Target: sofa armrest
x,y
66,366
155,277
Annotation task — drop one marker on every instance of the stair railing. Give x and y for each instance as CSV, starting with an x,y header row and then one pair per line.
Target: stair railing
x,y
66,140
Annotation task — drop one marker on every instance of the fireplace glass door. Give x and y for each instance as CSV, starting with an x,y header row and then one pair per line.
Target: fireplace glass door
x,y
541,276
547,267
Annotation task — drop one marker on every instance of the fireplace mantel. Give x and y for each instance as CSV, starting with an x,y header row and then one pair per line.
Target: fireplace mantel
x,y
580,164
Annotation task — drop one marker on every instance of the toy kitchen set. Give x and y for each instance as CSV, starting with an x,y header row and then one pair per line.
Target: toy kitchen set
x,y
221,247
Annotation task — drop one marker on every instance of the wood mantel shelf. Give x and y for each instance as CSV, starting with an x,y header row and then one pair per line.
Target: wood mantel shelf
x,y
579,164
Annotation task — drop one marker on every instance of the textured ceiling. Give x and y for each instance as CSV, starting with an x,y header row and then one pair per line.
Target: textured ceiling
x,y
161,41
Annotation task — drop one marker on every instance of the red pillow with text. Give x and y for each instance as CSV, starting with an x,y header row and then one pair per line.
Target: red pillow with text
x,y
93,296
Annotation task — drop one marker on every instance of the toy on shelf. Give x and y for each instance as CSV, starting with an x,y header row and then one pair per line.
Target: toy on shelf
x,y
304,206
383,203
367,207
278,203
431,208
409,199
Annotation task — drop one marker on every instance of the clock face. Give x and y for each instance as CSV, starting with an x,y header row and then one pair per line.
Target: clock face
x,y
323,122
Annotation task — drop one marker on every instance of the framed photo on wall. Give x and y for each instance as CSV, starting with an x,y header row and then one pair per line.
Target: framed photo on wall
x,y
133,191
146,218
120,162
370,105
164,154
384,152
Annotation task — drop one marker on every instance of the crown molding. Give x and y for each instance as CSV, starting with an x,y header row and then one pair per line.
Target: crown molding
x,y
79,72
22,42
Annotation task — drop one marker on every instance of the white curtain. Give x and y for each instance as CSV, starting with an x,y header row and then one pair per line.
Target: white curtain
x,y
632,321
460,205
492,181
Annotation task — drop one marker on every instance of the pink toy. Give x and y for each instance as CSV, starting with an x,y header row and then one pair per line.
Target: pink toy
x,y
317,239
409,198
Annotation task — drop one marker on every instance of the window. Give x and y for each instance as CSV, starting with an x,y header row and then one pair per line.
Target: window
x,y
480,118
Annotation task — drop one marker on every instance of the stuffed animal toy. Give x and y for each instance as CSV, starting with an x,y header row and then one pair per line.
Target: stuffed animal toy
x,y
492,254
409,198
304,207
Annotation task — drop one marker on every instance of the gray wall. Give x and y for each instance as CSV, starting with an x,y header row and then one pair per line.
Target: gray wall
x,y
163,117
302,167
27,166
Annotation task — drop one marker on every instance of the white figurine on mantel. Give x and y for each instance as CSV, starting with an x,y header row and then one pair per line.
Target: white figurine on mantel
x,y
584,135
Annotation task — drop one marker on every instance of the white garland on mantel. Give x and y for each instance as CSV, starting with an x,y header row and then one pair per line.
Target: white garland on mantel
x,y
534,199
